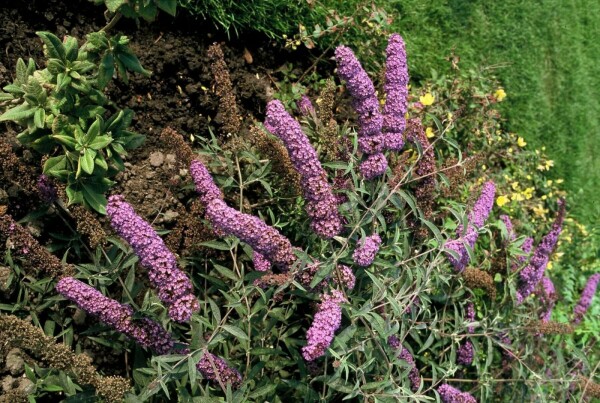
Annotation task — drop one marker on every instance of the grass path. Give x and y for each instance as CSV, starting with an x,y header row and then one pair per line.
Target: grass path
x,y
547,55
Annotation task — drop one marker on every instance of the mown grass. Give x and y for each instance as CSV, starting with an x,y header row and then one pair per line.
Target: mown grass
x,y
546,56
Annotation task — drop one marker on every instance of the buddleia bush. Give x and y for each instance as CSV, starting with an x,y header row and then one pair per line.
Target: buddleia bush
x,y
386,273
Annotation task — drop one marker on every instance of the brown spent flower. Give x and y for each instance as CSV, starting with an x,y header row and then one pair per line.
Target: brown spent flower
x,y
227,106
550,327
590,388
89,226
274,150
333,148
13,170
272,280
190,231
475,278
175,142
25,246
458,174
25,336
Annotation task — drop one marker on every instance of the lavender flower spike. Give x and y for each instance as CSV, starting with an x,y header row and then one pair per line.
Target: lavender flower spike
x,y
547,298
449,394
205,186
46,189
531,275
146,332
465,353
265,240
396,90
366,251
326,321
305,107
509,227
321,203
586,298
362,91
173,285
375,165
476,219
260,262
413,375
216,369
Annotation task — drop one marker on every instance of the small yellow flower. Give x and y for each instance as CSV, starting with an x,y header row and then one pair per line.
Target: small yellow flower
x,y
567,238
483,167
450,116
528,177
559,181
549,164
500,94
521,142
510,150
517,197
544,148
540,211
528,193
549,266
544,197
427,99
514,185
429,132
549,182
502,200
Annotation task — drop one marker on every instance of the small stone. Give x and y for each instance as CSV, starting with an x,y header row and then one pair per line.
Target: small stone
x,y
26,387
7,383
157,158
169,216
14,362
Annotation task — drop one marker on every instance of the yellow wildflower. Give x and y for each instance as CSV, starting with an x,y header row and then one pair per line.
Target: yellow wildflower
x,y
559,181
544,197
510,150
427,99
549,182
483,167
549,266
500,94
521,142
529,177
549,164
502,200
540,211
517,197
528,193
514,185
429,132
450,116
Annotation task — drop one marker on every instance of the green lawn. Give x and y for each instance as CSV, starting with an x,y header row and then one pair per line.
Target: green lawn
x,y
546,54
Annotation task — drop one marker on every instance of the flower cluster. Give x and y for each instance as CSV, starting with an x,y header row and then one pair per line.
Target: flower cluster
x,y
476,219
347,277
509,227
365,253
146,332
305,107
413,375
396,91
321,204
260,262
465,353
547,298
205,186
46,189
173,285
216,369
326,321
531,275
264,239
450,394
586,298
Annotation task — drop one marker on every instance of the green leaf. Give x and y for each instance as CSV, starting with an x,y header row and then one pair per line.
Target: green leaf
x,y
95,199
216,245
106,70
56,66
236,332
148,12
132,63
113,5
18,113
65,140
93,131
21,77
87,161
39,118
71,48
75,195
54,47
100,142
168,6
263,390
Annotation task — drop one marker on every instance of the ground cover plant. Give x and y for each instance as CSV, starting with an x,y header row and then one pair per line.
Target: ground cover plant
x,y
366,240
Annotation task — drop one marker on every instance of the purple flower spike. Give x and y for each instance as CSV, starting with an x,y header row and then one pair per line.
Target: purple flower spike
x,y
470,316
509,227
449,394
365,253
326,321
321,203
305,107
586,298
216,369
396,90
547,298
264,239
46,189
531,275
260,262
205,186
173,285
475,220
347,277
465,353
413,375
375,165
146,332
